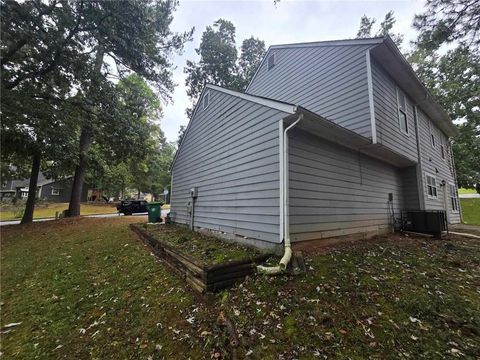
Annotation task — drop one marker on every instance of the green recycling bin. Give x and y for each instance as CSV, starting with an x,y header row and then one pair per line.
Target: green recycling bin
x,y
154,211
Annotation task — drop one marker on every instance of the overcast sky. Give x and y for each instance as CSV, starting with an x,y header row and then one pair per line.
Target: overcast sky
x,y
288,22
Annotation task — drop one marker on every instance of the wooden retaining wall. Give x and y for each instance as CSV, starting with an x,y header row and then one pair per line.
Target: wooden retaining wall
x,y
200,277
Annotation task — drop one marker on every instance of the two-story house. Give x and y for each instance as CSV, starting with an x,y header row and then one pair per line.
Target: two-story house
x,y
330,139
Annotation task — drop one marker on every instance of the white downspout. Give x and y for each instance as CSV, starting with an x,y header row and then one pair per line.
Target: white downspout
x,y
284,198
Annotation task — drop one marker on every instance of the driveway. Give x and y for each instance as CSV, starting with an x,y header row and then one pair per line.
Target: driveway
x,y
16,222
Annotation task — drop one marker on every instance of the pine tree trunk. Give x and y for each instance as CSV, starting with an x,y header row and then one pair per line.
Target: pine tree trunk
x,y
79,177
86,138
32,190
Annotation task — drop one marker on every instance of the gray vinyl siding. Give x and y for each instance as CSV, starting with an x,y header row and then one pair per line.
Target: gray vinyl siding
x,y
387,123
231,154
410,188
335,191
328,80
434,165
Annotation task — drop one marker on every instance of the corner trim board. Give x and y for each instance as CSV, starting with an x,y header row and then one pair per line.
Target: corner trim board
x,y
370,97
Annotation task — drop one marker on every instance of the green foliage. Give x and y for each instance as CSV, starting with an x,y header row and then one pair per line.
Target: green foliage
x,y
447,21
219,63
365,29
58,98
181,133
133,152
366,26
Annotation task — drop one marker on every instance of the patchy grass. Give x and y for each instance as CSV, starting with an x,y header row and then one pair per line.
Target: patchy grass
x,y
206,249
87,288
49,210
471,211
91,290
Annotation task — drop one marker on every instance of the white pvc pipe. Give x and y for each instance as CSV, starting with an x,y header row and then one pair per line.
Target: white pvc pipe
x,y
284,198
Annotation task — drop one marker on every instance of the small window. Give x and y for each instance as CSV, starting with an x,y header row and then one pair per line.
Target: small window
x,y
442,150
206,100
55,191
431,187
402,111
453,198
24,194
432,137
271,61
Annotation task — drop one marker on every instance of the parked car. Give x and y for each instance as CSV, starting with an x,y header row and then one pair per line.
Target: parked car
x,y
129,207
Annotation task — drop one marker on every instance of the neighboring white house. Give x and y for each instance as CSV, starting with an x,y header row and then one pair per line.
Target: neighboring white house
x,y
362,136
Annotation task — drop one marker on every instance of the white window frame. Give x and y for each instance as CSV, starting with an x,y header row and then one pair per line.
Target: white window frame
x,y
454,198
402,114
55,191
442,151
24,194
206,100
434,186
271,65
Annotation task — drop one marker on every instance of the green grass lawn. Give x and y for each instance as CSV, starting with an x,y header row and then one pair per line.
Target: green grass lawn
x,y
88,288
466,191
471,211
43,211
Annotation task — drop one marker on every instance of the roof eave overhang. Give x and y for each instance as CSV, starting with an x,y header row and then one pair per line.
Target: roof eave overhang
x,y
328,130
395,64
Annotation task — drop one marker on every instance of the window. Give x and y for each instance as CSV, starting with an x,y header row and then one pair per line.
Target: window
x,y
24,194
442,150
431,187
453,198
432,137
206,100
55,191
271,61
402,111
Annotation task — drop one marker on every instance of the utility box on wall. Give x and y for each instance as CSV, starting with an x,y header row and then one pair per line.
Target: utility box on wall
x,y
194,192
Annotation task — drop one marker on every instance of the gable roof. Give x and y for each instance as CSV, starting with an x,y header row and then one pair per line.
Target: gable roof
x,y
385,52
344,42
41,181
274,104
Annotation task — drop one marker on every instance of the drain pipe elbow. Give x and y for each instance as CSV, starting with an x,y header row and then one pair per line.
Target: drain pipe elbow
x,y
282,266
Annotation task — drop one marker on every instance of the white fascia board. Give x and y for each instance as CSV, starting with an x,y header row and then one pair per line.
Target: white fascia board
x,y
265,57
369,41
288,108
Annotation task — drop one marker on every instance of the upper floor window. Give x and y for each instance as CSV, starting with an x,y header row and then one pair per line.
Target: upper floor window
x,y
442,150
271,61
453,197
432,137
402,111
431,187
55,191
206,100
